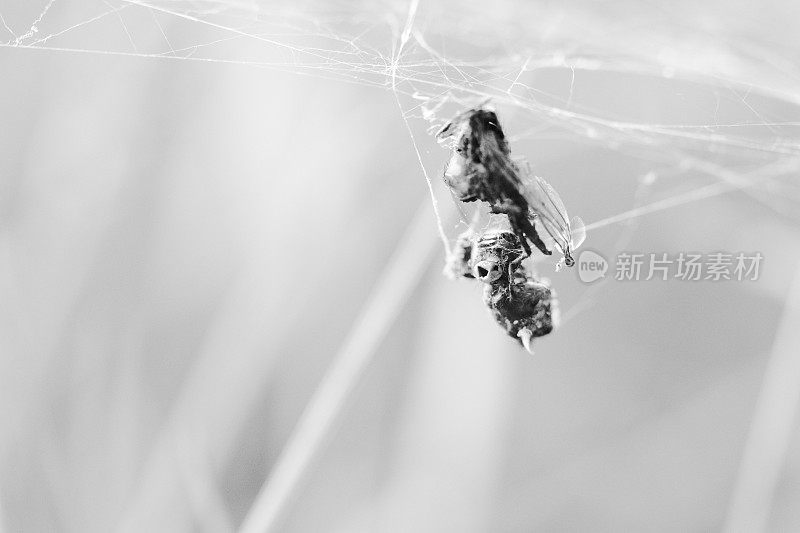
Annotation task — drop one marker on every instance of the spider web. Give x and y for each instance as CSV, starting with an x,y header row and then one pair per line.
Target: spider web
x,y
437,58
741,133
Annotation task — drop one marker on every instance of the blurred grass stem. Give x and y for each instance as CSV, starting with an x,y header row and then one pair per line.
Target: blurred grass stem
x,y
771,427
316,425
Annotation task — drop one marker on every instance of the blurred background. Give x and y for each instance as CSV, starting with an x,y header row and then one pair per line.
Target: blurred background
x,y
220,268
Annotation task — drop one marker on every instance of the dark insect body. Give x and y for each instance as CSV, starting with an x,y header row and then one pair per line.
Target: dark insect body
x,y
525,310
481,169
524,307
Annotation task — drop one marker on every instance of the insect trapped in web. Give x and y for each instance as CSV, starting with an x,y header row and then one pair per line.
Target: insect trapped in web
x,y
524,210
522,305
481,168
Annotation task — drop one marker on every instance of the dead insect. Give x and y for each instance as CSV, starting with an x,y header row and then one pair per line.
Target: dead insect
x,y
527,310
481,168
523,306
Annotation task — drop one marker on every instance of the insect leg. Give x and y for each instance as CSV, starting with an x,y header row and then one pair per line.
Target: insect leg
x,y
520,233
530,232
521,226
514,216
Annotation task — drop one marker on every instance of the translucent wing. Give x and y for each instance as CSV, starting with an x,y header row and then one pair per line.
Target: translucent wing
x,y
578,232
554,200
551,215
551,218
550,235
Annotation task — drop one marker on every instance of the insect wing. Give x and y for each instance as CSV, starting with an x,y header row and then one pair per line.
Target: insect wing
x,y
552,221
550,235
551,215
578,231
556,205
